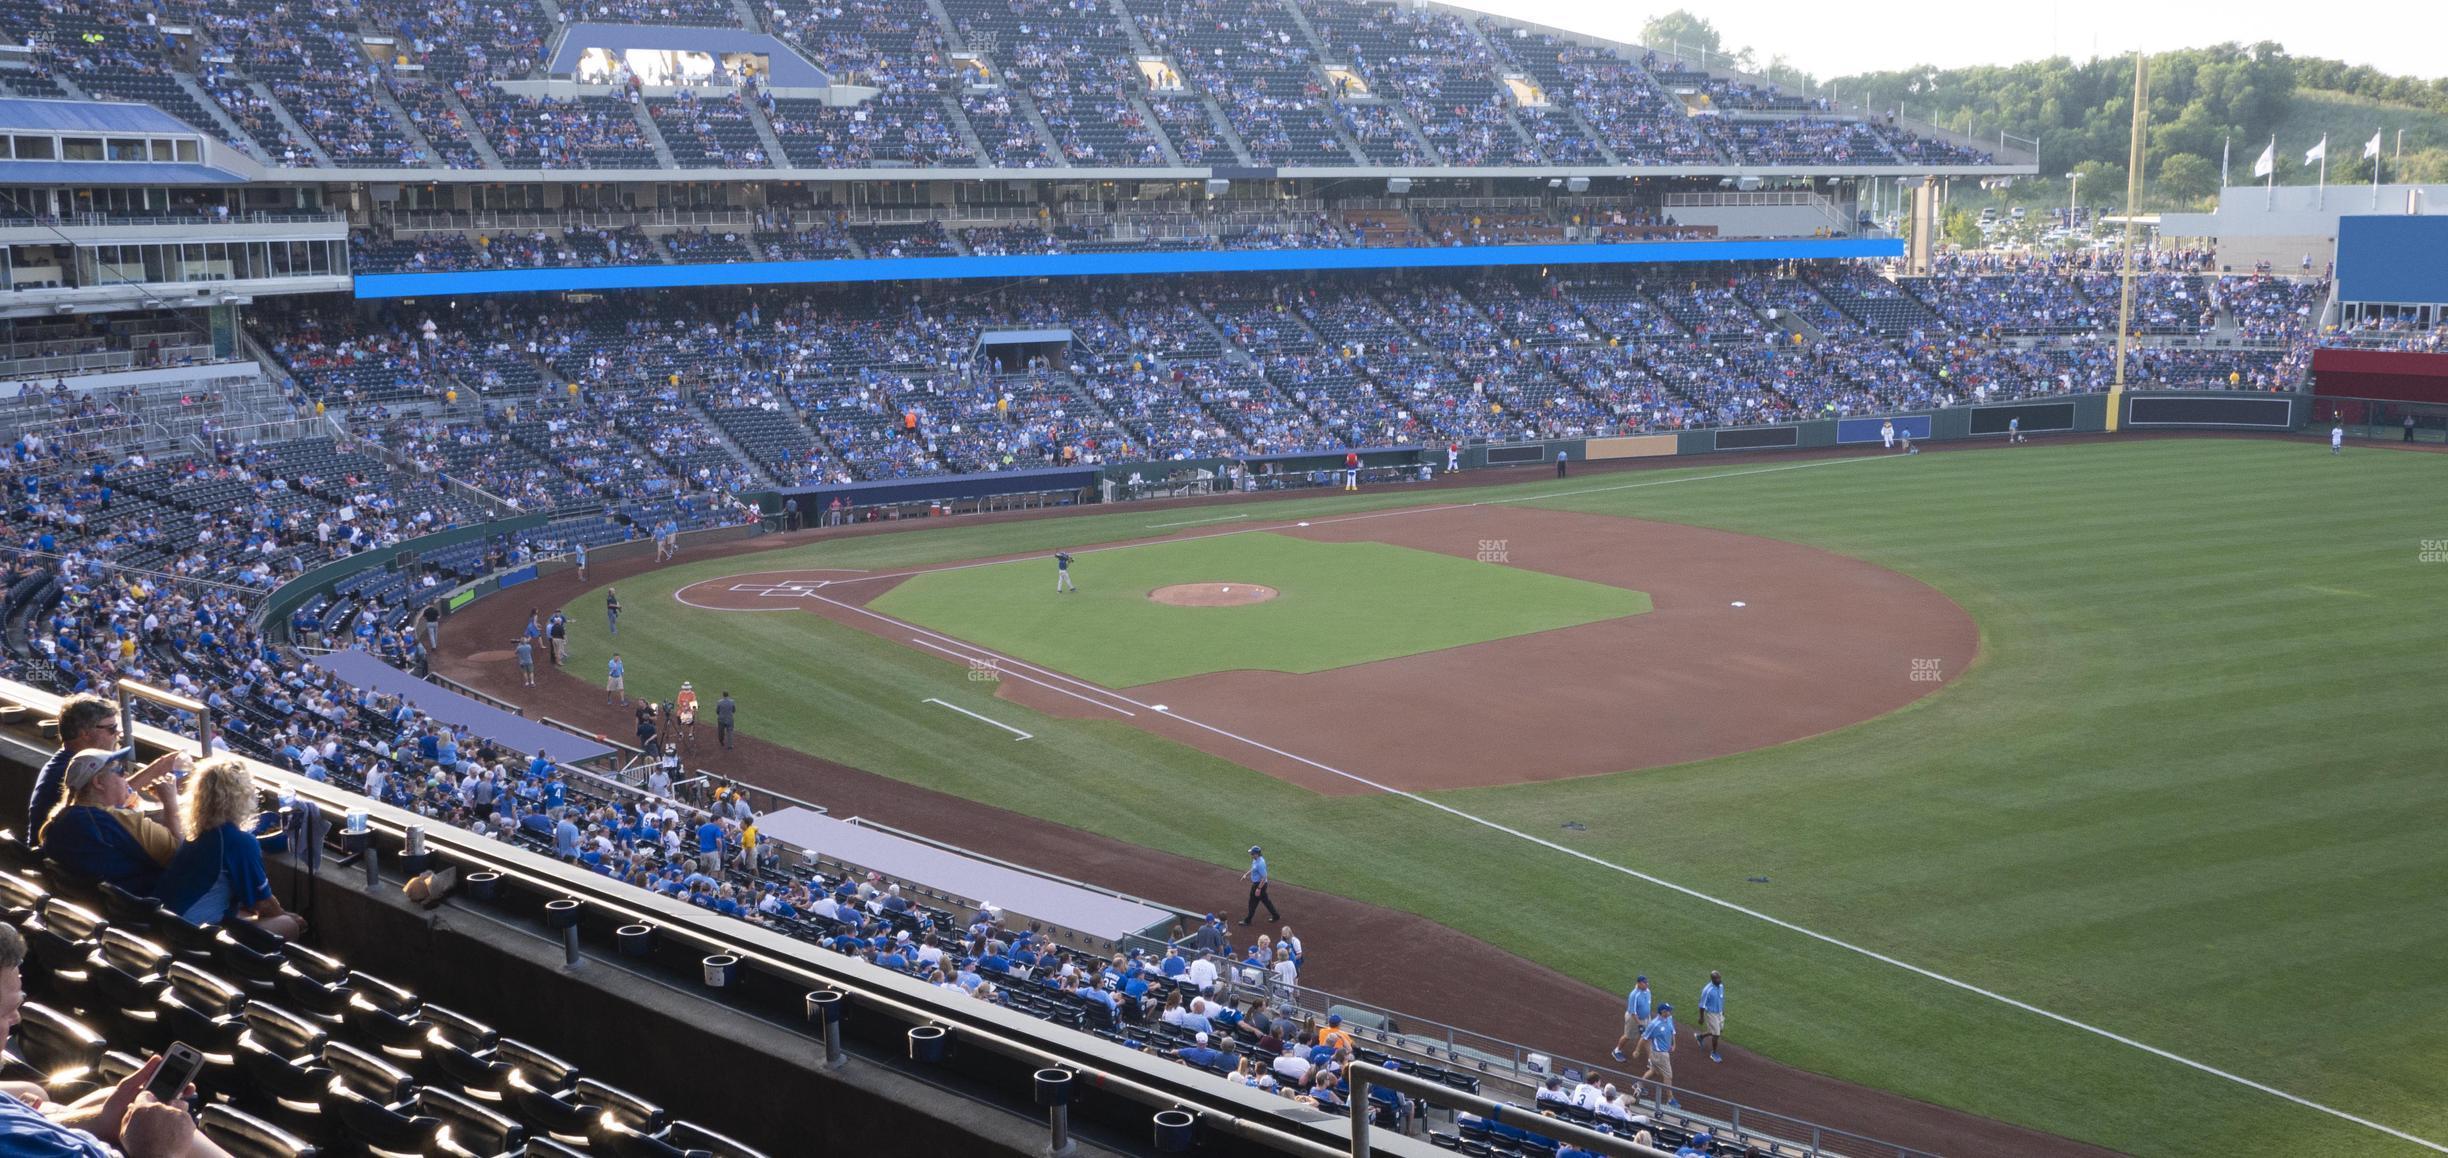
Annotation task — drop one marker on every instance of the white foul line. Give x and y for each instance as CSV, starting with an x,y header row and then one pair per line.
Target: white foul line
x,y
981,719
1195,522
998,662
1648,878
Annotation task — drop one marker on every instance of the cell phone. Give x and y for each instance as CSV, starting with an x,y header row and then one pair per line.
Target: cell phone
x,y
179,1065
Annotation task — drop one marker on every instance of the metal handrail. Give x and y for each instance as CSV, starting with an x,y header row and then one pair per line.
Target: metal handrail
x,y
88,220
131,690
1007,1033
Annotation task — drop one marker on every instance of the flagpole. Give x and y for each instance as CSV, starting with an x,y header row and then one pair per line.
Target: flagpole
x,y
2270,200
2225,151
2323,192
2376,168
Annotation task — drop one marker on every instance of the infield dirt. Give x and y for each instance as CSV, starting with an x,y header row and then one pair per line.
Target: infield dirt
x,y
1395,959
1752,642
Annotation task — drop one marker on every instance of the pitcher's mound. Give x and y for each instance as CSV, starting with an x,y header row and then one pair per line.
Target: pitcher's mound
x,y
1212,594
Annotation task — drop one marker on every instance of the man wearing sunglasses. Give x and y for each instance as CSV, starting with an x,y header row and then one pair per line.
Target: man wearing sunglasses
x,y
85,721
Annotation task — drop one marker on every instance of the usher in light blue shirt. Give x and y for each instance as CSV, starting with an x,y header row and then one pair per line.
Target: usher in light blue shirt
x,y
1258,871
1638,1003
1712,998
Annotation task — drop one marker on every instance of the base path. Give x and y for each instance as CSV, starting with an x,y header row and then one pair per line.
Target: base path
x,y
1436,970
1751,642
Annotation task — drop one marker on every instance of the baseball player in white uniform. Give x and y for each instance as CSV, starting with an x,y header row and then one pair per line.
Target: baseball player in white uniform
x,y
1887,435
2337,440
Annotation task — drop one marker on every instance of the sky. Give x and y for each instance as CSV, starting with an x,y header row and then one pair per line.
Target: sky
x,y
1840,39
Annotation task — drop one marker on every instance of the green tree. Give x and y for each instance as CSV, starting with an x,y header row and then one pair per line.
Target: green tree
x,y
2102,183
2186,178
1962,230
1680,27
2420,166
2082,110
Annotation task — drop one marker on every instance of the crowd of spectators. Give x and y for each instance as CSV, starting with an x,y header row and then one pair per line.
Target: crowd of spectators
x,y
1407,87
586,132
577,405
121,566
2391,332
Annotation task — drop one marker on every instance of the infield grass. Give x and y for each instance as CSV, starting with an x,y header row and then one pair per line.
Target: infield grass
x,y
2193,793
1337,604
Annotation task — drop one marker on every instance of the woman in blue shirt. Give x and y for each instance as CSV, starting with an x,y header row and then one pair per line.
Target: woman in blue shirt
x,y
218,875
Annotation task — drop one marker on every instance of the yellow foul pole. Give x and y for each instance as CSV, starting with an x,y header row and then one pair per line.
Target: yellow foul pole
x,y
2133,212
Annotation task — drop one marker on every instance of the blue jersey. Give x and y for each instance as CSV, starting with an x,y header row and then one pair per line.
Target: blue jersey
x,y
1660,1033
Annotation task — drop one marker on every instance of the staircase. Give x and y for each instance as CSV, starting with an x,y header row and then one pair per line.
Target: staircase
x,y
1224,129
722,438
765,133
959,120
654,136
748,17
1130,28
1410,125
1147,116
1036,119
223,126
943,20
296,131
558,30
408,127
468,124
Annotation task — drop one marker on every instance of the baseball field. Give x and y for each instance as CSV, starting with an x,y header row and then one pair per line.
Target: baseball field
x,y
2095,788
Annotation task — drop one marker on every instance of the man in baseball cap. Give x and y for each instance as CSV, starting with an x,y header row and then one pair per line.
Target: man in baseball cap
x,y
1257,878
1660,1035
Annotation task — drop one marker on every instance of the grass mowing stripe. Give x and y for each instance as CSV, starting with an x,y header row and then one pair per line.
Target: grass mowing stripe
x,y
2125,812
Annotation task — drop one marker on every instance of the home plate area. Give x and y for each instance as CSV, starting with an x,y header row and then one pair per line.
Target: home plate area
x,y
759,591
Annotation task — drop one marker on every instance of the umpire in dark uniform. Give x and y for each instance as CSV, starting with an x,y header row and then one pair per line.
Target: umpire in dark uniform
x,y
724,712
1257,877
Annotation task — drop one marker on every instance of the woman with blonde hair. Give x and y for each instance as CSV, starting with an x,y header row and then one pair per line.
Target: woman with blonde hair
x,y
218,875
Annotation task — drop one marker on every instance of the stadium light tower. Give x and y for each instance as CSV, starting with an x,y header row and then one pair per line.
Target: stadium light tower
x,y
2073,197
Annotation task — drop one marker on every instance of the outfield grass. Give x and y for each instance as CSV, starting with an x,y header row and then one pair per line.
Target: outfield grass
x,y
1337,604
2193,792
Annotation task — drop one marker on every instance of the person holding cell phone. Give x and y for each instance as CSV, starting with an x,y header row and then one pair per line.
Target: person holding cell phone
x,y
100,832
218,875
140,1116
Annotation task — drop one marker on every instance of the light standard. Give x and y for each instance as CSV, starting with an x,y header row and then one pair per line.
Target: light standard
x,y
2073,197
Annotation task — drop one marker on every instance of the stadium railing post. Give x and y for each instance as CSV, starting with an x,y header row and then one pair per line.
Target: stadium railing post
x,y
824,1006
1054,1085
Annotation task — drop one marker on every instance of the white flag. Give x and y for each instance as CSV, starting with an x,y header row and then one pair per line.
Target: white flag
x,y
2371,148
2268,162
2317,152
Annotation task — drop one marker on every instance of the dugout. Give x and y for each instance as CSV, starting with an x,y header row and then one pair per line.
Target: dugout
x,y
903,498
